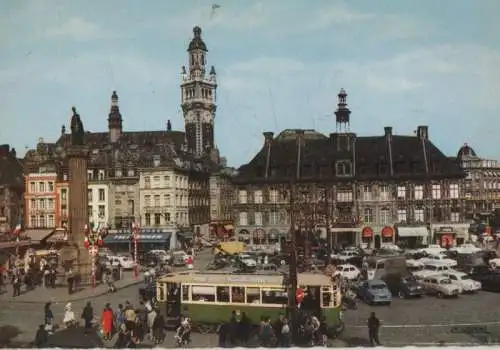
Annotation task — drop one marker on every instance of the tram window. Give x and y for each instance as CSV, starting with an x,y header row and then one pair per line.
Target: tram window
x,y
237,294
185,292
223,294
203,293
277,296
326,299
161,292
253,295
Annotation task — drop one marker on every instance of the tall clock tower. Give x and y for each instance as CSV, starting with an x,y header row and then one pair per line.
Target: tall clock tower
x,y
198,98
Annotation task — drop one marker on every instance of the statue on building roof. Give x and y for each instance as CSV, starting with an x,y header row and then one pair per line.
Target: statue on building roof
x,y
77,132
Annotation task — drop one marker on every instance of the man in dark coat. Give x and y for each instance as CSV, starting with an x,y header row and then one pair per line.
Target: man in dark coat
x,y
88,315
41,337
373,328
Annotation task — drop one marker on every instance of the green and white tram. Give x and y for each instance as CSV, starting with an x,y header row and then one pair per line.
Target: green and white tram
x,y
210,298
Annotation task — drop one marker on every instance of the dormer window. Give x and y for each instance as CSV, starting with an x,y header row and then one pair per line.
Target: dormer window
x,y
102,175
118,173
343,168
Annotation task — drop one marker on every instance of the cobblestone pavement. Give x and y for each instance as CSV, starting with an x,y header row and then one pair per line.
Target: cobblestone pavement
x,y
468,319
417,321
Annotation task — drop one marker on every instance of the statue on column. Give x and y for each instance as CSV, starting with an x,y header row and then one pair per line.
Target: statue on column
x,y
77,132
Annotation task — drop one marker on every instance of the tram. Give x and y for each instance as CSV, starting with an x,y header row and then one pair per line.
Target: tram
x,y
210,298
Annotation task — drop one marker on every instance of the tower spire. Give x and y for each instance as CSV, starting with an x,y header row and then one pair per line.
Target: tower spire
x,y
198,92
342,113
114,119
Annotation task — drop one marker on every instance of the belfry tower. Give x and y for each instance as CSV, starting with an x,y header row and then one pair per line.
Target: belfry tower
x,y
198,98
343,113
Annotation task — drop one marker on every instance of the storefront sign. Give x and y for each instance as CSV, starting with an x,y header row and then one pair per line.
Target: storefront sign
x,y
445,229
367,232
387,231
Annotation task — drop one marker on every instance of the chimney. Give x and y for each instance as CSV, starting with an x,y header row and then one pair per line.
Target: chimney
x,y
268,139
388,131
4,150
423,132
169,125
268,136
13,152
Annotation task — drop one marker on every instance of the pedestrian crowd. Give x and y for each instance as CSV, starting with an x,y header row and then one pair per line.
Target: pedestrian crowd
x,y
133,325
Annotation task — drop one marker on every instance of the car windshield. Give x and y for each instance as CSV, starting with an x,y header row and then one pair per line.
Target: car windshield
x,y
465,277
445,281
377,286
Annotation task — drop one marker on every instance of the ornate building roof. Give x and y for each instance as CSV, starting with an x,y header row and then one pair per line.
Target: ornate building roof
x,y
11,170
466,151
372,157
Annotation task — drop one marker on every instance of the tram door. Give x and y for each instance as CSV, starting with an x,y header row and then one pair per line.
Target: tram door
x,y
173,300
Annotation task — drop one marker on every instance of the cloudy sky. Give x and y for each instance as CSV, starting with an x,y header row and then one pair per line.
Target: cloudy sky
x,y
280,65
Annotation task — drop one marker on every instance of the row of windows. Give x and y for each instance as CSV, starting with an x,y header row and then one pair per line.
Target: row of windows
x,y
41,187
156,181
101,195
180,200
42,221
247,295
100,210
158,219
273,218
367,194
42,203
386,216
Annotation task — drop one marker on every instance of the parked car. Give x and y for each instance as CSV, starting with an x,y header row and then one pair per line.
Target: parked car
x,y
348,271
403,286
440,286
442,258
466,248
432,268
490,279
179,258
433,249
374,292
124,262
466,283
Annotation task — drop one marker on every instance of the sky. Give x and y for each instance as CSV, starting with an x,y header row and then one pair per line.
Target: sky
x,y
280,64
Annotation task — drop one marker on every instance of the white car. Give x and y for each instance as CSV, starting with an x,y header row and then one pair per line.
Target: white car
x,y
466,248
466,283
433,249
161,254
443,259
124,262
432,269
248,260
348,271
345,255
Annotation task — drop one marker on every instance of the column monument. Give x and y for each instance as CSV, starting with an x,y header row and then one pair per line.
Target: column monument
x,y
78,155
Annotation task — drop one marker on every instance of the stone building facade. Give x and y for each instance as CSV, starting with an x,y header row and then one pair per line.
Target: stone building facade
x,y
349,189
11,190
117,157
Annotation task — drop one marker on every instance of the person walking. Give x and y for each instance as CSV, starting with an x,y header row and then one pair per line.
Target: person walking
x,y
88,316
373,329
107,322
48,315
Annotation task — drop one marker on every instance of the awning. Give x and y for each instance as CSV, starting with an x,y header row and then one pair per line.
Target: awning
x,y
57,237
143,238
413,231
37,235
186,235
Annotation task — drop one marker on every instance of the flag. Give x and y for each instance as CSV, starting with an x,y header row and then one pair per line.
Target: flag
x,y
215,7
17,230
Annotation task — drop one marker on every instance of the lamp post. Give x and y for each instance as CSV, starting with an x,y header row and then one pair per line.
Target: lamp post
x,y
136,230
93,241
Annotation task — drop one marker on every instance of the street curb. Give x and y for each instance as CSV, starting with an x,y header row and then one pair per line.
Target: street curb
x,y
96,295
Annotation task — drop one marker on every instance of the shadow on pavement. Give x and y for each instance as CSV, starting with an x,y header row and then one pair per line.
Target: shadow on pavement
x,y
75,338
354,341
7,334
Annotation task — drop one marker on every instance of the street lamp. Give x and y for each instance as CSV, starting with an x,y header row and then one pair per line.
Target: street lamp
x,y
92,242
136,230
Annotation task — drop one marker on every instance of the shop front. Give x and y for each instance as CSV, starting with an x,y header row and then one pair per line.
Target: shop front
x,y
244,236
411,236
367,237
445,236
148,239
222,231
386,235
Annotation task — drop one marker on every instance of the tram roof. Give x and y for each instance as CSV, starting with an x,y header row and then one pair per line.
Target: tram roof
x,y
304,279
